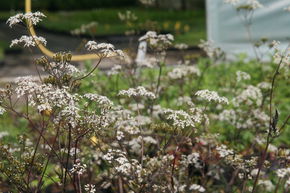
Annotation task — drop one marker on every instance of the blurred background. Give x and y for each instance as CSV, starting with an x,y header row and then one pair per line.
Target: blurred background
x,y
70,23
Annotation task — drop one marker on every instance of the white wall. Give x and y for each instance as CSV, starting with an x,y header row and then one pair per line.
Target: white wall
x,y
226,29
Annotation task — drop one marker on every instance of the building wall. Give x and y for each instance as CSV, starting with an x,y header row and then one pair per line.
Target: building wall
x,y
227,30
180,4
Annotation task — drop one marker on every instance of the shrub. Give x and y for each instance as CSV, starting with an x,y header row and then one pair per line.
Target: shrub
x,y
55,5
163,136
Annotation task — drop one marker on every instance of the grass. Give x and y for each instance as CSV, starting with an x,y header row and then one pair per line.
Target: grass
x,y
187,26
13,126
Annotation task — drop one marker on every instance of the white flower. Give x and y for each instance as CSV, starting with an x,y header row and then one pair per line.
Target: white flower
x,y
109,156
254,4
157,110
210,49
251,95
254,172
115,70
242,76
28,41
287,183
142,120
181,118
103,101
120,135
15,19
44,93
181,46
92,45
62,68
3,134
140,91
127,16
275,44
177,73
283,172
71,114
158,42
18,18
129,126
150,62
192,70
44,107
78,168
135,143
232,2
272,148
2,111
149,140
261,115
197,187
103,48
229,116
148,35
72,152
211,96
122,164
193,158
136,106
34,17
183,71
224,151
267,184
25,85
84,28
283,59
46,97
184,100
264,85
90,188
147,2
70,69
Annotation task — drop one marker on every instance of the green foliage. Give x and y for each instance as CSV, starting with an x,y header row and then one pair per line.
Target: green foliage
x,y
188,26
13,126
54,5
215,78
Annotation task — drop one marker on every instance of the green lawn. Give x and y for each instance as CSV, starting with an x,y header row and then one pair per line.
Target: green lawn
x,y
187,26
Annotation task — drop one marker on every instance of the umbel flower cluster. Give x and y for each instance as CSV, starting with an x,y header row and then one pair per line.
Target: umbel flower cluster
x,y
34,18
29,19
144,129
246,4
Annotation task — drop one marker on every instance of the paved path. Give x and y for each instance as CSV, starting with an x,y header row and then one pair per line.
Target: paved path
x,y
59,41
21,64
